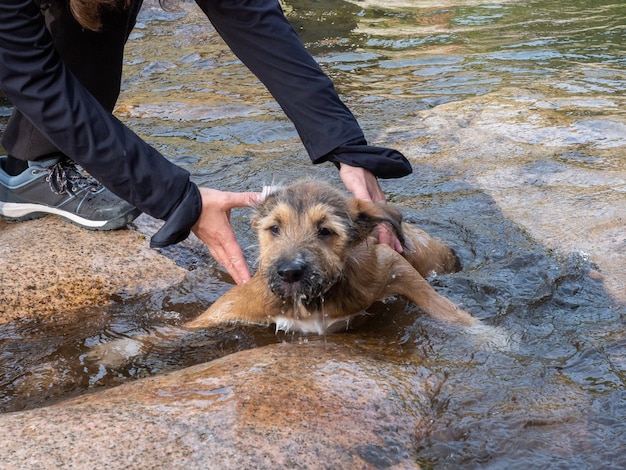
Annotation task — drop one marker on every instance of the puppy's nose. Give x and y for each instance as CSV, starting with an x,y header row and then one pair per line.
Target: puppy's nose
x,y
291,271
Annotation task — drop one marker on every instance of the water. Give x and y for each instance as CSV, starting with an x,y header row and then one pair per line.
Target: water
x,y
512,113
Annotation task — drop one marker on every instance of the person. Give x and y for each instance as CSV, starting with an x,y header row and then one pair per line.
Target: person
x,y
61,67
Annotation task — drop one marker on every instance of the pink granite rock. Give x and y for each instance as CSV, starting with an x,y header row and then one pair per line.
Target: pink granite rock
x,y
51,267
311,405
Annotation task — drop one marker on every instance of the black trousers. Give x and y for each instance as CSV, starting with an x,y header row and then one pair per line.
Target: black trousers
x,y
94,58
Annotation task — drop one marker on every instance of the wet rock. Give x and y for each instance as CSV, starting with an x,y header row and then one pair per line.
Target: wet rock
x,y
51,267
557,175
310,405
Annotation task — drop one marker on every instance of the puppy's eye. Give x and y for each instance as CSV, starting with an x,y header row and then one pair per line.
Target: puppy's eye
x,y
274,229
323,232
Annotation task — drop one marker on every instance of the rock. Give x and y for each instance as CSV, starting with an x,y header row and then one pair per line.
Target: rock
x,y
556,174
312,405
51,267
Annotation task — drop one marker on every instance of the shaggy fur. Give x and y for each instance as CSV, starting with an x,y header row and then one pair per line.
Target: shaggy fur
x,y
320,264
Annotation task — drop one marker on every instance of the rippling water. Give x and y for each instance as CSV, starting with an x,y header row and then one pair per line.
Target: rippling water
x,y
512,113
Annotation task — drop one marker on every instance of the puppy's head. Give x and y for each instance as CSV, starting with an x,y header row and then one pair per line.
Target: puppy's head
x,y
306,231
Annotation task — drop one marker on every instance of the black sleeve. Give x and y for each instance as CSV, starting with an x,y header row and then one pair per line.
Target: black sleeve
x,y
260,35
35,80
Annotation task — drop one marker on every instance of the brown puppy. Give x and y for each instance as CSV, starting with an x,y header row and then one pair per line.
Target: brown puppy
x,y
320,266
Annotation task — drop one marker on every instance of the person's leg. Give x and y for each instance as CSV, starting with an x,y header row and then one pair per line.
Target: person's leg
x,y
36,179
95,58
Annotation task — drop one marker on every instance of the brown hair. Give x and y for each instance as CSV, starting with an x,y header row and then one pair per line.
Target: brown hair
x,y
88,12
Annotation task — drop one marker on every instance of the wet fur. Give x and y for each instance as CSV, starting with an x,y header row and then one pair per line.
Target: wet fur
x,y
328,240
342,269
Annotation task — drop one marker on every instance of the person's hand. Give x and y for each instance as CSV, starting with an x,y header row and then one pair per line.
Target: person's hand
x,y
214,229
364,185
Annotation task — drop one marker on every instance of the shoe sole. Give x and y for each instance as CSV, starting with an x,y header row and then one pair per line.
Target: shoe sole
x,y
20,212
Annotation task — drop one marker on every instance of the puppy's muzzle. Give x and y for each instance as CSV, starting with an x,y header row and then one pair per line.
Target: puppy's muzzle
x,y
291,271
296,278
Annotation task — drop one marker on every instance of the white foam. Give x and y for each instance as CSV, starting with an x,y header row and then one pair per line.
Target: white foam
x,y
491,337
115,353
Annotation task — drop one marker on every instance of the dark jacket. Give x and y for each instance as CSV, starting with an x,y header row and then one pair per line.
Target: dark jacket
x,y
38,83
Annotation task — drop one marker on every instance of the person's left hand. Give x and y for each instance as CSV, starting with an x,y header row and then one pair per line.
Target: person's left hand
x,y
214,229
364,185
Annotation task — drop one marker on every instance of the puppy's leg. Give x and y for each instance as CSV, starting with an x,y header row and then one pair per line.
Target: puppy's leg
x,y
246,303
406,281
403,279
242,304
427,254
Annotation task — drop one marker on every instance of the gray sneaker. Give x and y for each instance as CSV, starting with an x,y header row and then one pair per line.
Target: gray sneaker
x,y
57,187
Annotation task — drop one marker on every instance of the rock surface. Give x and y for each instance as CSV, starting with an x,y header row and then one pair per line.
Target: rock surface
x,y
281,406
551,161
51,267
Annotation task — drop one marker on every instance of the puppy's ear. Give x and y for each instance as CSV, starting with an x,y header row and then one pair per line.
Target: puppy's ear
x,y
270,196
367,215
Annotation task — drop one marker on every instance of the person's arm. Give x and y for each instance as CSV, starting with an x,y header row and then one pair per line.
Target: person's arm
x,y
260,35
35,80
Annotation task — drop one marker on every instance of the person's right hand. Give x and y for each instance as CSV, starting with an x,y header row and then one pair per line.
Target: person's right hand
x,y
214,229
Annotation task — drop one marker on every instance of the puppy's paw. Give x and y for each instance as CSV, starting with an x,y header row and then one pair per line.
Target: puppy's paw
x,y
115,354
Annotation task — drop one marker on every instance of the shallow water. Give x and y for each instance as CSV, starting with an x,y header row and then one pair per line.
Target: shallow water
x,y
512,113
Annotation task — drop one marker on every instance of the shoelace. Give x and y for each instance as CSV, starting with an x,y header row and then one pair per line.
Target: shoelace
x,y
63,177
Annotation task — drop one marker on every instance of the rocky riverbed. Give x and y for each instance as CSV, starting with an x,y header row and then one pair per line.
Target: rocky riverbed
x,y
512,115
